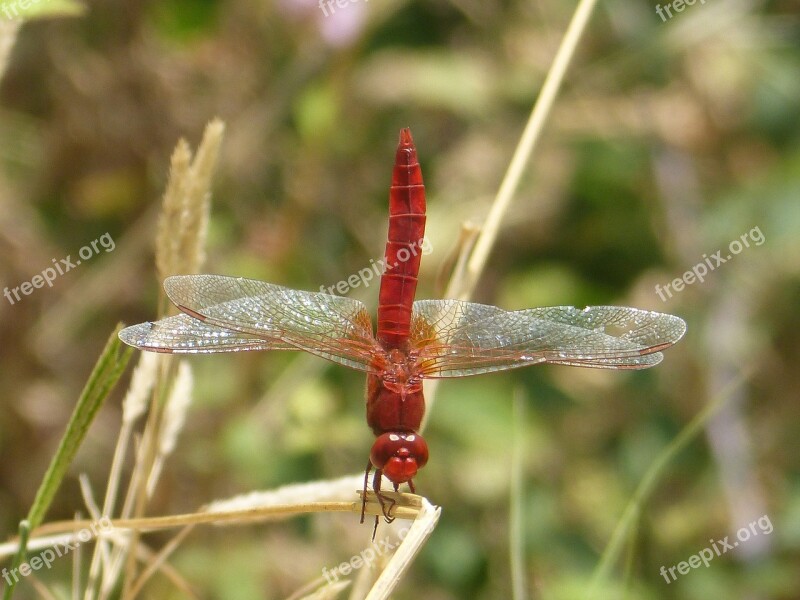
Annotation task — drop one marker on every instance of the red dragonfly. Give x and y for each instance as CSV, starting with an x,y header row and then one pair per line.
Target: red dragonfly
x,y
414,340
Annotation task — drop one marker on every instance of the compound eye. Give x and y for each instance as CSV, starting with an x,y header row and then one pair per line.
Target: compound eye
x,y
399,455
383,449
417,448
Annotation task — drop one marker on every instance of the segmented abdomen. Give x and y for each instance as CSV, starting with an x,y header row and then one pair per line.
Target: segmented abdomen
x,y
404,245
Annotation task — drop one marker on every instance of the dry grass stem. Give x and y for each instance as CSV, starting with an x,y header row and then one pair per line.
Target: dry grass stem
x,y
159,560
412,543
475,253
134,405
408,506
180,245
174,419
41,589
341,488
524,150
144,377
77,560
326,592
317,586
172,211
183,226
468,235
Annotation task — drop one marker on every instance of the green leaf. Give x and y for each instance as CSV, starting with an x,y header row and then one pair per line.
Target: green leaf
x,y
24,532
107,370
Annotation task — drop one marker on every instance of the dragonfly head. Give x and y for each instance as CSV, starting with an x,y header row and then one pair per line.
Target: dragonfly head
x,y
399,455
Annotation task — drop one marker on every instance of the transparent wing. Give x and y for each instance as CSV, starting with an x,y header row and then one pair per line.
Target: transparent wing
x,y
456,338
265,316
183,334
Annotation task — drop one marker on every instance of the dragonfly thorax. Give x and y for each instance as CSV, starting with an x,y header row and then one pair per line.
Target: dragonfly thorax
x,y
400,373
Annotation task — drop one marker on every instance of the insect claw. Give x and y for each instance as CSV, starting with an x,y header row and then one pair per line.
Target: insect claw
x,y
387,512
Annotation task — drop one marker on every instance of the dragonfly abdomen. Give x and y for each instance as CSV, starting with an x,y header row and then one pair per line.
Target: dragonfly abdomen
x,y
404,246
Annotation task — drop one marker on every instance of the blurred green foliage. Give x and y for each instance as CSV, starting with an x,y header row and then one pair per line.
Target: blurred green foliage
x,y
668,141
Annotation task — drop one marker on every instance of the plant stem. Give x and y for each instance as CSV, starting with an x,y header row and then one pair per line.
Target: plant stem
x,y
634,508
524,150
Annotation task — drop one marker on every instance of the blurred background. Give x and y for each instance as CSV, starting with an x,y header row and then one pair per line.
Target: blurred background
x,y
672,138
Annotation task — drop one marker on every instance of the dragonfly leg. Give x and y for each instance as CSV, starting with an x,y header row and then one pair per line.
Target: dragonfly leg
x,y
364,495
411,487
376,486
